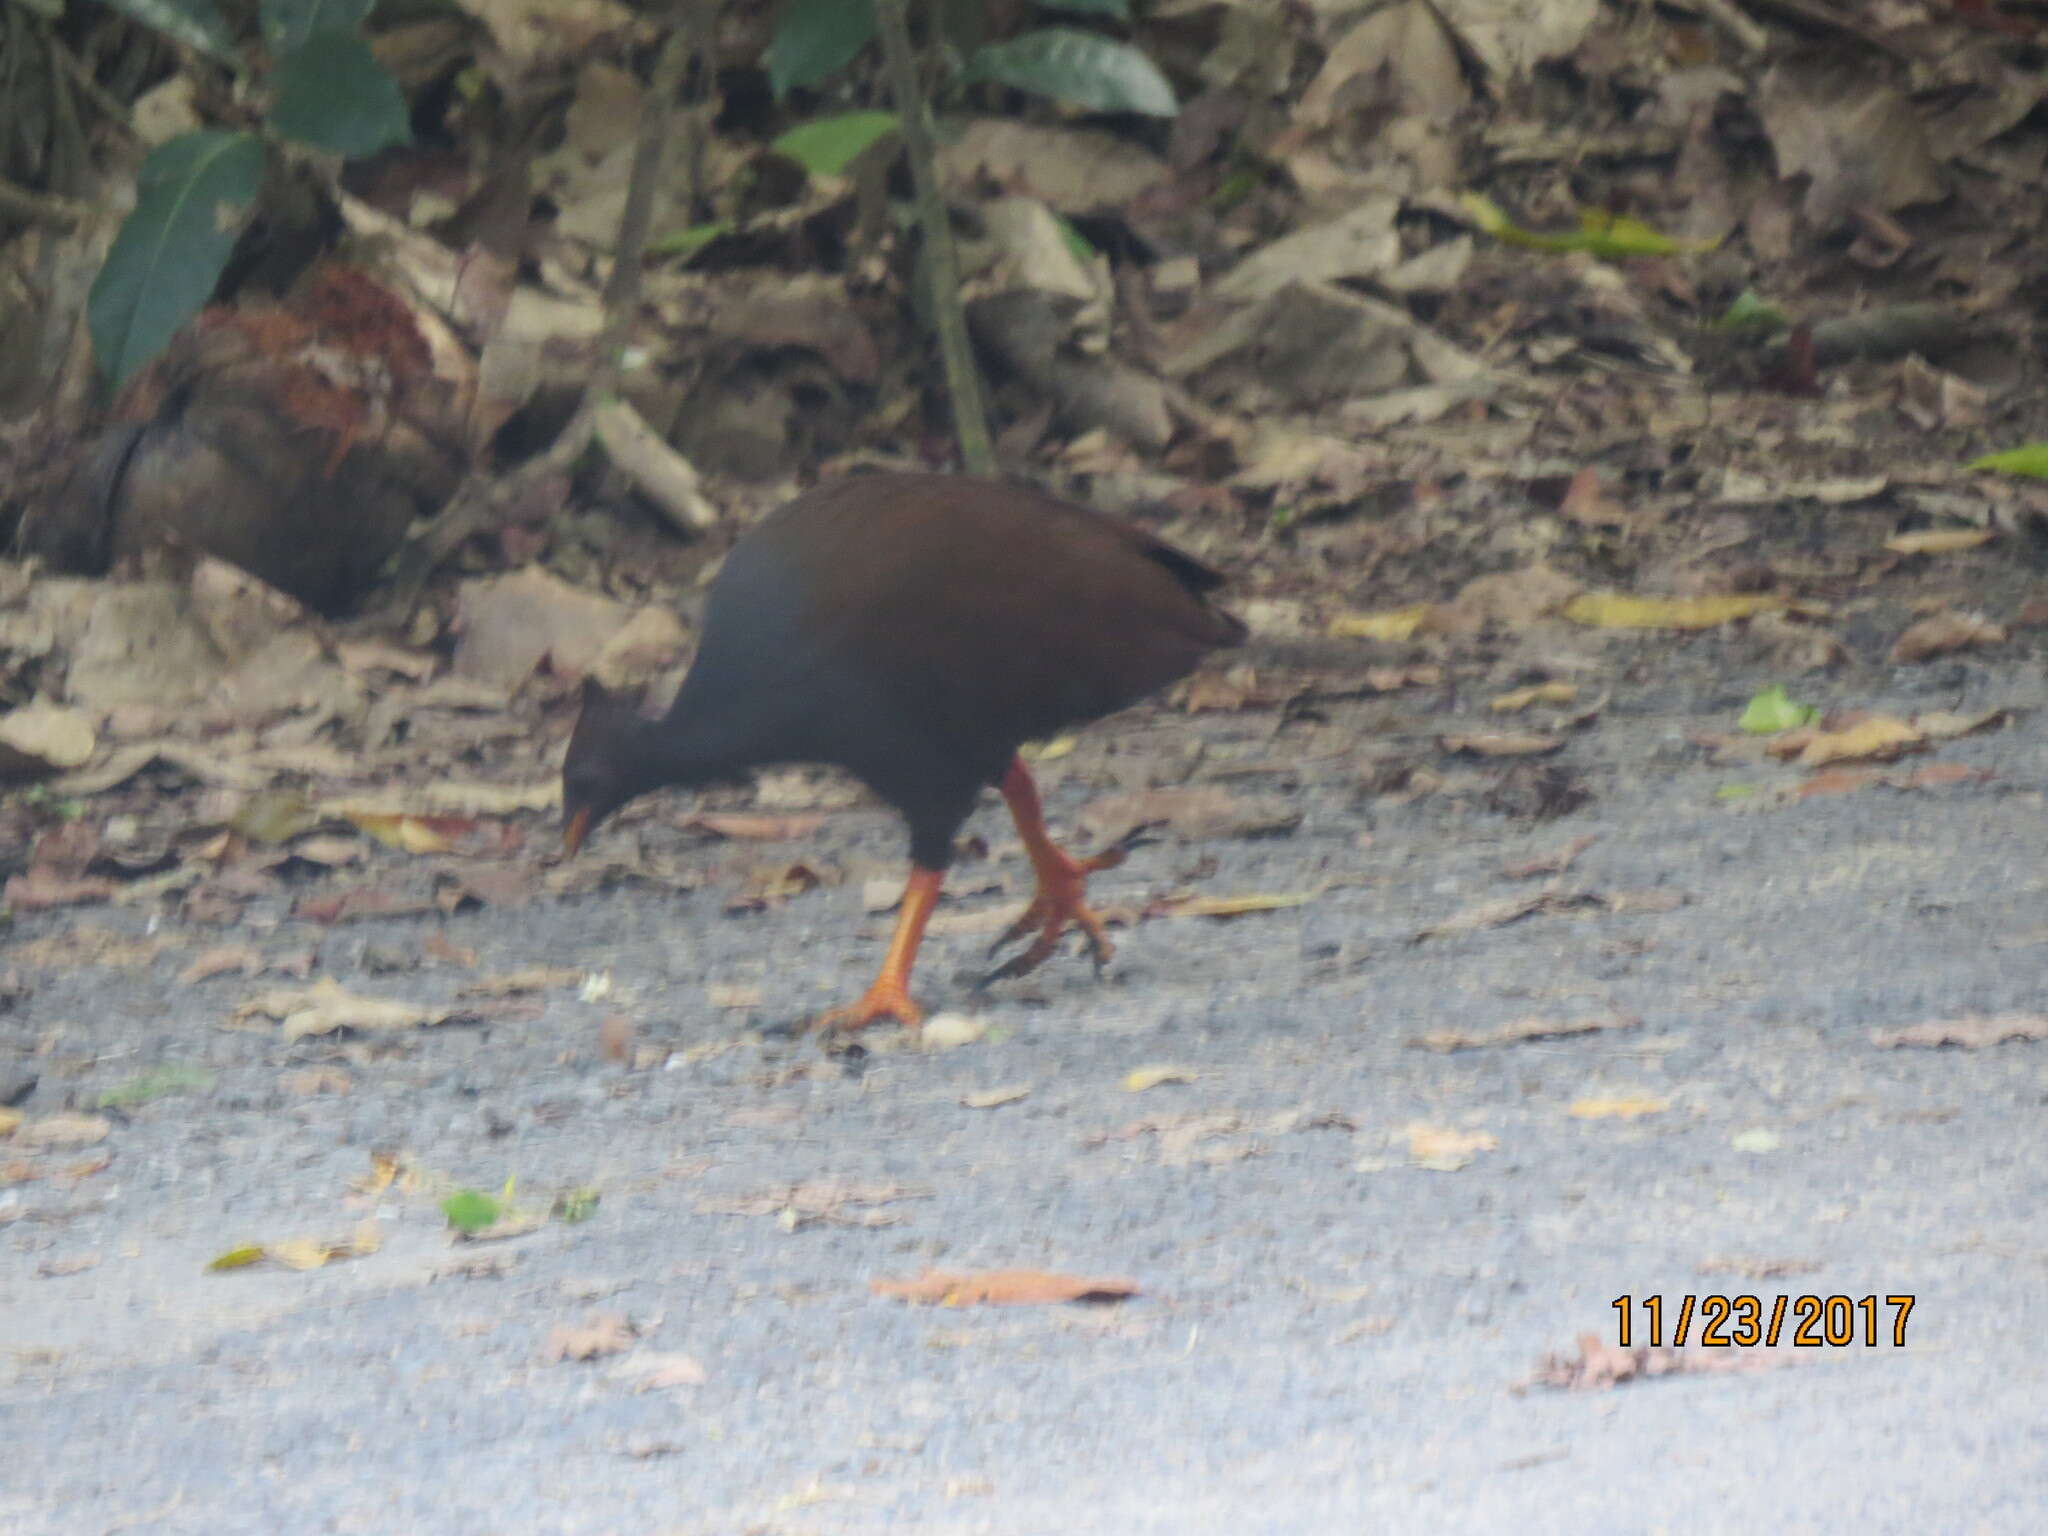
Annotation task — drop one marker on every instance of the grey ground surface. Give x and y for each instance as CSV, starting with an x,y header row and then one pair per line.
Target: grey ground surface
x,y
1329,1339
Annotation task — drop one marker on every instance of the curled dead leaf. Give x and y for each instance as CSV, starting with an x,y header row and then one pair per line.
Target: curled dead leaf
x,y
1003,1288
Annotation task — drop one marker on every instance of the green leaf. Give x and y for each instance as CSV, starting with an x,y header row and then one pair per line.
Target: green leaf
x,y
238,1258
2029,460
1735,792
826,146
190,202
1770,712
1752,312
1602,233
1098,73
470,1210
195,23
1081,247
1120,9
817,38
688,242
172,1077
332,93
578,1205
290,23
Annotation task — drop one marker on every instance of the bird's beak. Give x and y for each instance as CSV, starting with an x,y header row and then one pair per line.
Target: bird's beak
x,y
574,830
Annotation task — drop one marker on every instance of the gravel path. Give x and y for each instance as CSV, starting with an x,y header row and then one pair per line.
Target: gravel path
x,y
1328,1338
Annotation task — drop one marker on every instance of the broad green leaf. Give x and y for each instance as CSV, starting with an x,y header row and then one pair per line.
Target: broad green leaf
x,y
195,23
1601,233
1752,312
470,1210
2029,460
828,145
1120,9
332,93
817,38
289,23
688,242
160,1082
1098,73
190,202
1771,711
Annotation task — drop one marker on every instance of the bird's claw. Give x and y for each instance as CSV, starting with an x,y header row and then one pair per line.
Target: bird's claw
x,y
1057,906
883,1000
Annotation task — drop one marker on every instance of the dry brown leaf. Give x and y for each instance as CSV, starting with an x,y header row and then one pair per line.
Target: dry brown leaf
x,y
42,889
358,902
849,1205
1877,739
1938,541
1003,1288
1521,1032
1943,633
1502,744
651,1370
314,1081
602,1333
324,1007
1445,1149
1550,863
991,1098
220,960
1228,906
1396,624
1617,610
1619,1107
1537,693
615,1038
1946,725
1971,1032
1138,1079
532,978
41,738
412,834
1194,812
62,1131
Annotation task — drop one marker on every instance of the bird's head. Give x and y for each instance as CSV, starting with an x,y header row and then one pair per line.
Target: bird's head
x,y
602,769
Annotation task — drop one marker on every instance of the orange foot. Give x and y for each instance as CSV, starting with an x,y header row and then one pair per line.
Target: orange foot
x,y
883,1000
1059,905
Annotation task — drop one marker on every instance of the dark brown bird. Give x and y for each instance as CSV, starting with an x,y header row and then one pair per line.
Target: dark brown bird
x,y
915,630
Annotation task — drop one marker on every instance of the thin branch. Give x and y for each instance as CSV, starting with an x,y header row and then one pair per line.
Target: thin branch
x,y
942,262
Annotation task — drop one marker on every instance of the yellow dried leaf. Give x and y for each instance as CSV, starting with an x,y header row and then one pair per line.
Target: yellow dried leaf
x,y
1539,693
1391,624
1621,1107
1141,1078
299,1252
1231,906
989,1098
9,1120
1617,610
1937,541
1443,1149
408,834
1878,739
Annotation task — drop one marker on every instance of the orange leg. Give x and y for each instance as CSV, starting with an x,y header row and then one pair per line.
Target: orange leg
x,y
889,996
1062,884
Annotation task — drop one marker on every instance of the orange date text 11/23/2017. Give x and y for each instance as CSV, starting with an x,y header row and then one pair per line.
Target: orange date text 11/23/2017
x,y
1741,1322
